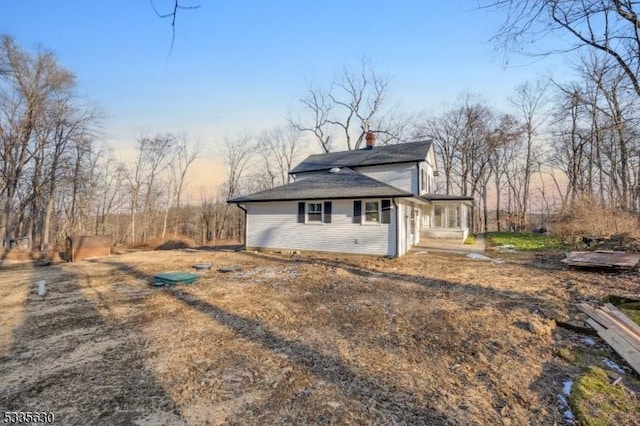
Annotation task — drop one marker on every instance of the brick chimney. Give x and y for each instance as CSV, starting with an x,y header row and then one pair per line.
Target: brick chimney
x,y
371,140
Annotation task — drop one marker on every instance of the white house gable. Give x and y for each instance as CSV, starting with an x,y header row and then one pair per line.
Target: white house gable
x,y
402,176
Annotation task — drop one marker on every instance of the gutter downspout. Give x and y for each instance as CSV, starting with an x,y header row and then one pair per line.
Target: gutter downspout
x,y
393,200
246,225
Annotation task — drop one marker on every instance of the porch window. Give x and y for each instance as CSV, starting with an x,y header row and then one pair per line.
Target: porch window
x,y
372,212
447,216
438,221
314,212
453,217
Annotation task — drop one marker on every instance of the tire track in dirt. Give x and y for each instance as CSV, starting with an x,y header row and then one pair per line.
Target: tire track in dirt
x,y
75,363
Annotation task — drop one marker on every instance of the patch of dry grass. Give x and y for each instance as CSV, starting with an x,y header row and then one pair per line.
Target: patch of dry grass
x,y
433,339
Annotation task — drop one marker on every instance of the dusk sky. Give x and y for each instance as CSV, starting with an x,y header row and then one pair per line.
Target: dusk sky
x,y
242,65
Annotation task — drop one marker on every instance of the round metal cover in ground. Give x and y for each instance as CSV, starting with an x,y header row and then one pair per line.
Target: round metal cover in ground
x,y
201,266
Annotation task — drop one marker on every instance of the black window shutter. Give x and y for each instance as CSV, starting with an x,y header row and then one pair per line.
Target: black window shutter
x,y
301,212
386,211
357,211
327,212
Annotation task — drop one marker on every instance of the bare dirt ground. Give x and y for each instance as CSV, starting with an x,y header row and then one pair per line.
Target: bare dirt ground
x,y
294,339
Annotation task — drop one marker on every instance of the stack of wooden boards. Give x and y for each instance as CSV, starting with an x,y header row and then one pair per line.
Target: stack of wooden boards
x,y
602,259
618,330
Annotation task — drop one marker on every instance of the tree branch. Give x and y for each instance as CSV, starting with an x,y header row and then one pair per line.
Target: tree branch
x,y
172,15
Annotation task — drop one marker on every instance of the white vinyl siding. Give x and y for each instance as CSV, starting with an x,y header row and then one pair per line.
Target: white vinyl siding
x,y
274,225
402,175
426,178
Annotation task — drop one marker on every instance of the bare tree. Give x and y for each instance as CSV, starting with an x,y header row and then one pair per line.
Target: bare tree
x,y
446,132
529,99
27,83
152,159
570,144
609,26
596,139
351,106
172,16
280,147
237,152
504,144
111,176
184,154
68,123
156,155
317,106
462,138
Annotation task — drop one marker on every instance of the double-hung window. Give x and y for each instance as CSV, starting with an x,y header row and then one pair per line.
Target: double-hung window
x,y
372,212
314,212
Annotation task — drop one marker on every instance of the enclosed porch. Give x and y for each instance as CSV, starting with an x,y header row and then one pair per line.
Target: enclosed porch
x,y
445,218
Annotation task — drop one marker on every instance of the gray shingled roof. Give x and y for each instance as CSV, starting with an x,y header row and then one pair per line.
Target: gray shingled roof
x,y
346,183
400,153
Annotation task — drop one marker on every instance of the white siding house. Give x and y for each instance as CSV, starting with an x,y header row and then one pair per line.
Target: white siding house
x,y
377,200
275,225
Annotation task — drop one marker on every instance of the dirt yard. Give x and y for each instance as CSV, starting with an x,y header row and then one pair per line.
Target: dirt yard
x,y
296,339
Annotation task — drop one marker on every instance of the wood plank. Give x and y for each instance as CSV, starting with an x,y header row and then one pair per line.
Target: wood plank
x,y
596,325
622,347
624,321
599,316
598,259
601,321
